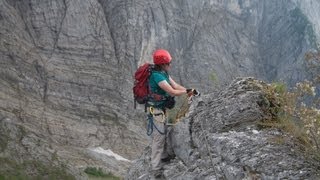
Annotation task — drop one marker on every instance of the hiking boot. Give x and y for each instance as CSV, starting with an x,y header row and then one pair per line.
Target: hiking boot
x,y
158,174
167,159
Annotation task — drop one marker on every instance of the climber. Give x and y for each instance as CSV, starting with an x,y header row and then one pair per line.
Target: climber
x,y
161,84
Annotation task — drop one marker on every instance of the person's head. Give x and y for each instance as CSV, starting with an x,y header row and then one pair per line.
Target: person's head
x,y
162,59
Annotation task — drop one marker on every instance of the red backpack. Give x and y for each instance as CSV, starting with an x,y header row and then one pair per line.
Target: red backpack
x,y
141,88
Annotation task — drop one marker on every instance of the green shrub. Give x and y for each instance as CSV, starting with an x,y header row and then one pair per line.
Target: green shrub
x,y
98,172
94,171
289,113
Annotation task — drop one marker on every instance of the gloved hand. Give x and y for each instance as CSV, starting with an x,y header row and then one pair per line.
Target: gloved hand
x,y
192,92
196,93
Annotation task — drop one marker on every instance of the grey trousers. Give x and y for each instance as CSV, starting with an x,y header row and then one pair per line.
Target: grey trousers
x,y
161,143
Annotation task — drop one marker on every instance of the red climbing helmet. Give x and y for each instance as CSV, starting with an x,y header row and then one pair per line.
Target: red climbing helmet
x,y
161,56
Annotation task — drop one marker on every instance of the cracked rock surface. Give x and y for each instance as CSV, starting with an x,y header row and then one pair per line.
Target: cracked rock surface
x,y
220,139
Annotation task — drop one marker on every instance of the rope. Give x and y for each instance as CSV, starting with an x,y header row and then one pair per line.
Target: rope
x,y
185,105
207,147
181,111
151,125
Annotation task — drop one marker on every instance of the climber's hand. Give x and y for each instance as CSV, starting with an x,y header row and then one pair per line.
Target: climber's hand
x,y
189,92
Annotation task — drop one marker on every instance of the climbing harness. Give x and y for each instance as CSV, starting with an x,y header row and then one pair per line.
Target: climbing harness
x,y
151,123
179,114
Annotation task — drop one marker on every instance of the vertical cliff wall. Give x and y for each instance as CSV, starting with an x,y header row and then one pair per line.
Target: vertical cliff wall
x,y
66,66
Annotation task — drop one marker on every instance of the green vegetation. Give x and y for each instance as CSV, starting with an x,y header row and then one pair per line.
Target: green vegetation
x,y
213,77
288,112
10,169
279,87
97,173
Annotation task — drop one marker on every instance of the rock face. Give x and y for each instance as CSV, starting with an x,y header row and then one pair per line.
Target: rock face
x,y
66,66
220,139
62,83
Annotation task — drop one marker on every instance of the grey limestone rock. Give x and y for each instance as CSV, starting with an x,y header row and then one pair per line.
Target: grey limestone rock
x,y
66,66
220,139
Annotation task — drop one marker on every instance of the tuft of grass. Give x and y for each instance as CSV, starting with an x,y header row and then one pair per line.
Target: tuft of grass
x,y
214,77
279,87
98,172
273,102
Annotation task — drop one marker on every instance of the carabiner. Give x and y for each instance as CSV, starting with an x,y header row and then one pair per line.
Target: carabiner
x,y
151,110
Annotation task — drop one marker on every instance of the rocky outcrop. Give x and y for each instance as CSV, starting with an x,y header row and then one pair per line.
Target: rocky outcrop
x,y
66,66
220,139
